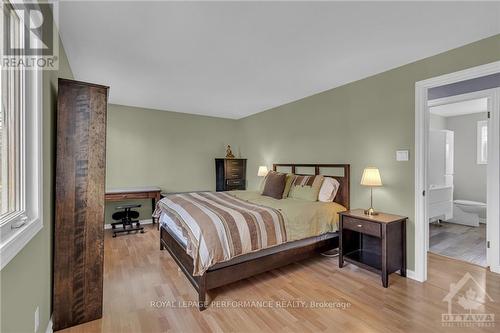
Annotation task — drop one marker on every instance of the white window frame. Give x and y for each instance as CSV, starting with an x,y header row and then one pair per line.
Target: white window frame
x,y
19,227
480,158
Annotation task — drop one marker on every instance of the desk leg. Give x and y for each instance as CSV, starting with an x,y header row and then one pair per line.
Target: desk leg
x,y
385,276
153,206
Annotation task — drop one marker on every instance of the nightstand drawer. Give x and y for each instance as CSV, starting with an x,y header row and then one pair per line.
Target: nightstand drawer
x,y
235,187
235,166
233,182
234,163
234,173
365,227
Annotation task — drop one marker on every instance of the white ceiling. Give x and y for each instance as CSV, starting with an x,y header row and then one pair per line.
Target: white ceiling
x,y
234,59
461,108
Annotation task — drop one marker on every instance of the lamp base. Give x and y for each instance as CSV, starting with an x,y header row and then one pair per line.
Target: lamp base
x,y
370,212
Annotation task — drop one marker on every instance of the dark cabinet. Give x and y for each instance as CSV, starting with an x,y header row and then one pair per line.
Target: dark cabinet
x,y
230,174
79,207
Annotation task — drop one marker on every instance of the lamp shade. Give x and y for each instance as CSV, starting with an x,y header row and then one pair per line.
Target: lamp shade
x,y
262,171
371,177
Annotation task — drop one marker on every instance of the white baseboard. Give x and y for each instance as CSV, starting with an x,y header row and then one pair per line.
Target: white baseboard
x,y
148,221
49,326
412,275
495,269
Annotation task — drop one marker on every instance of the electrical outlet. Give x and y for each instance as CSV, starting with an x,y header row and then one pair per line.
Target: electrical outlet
x,y
37,318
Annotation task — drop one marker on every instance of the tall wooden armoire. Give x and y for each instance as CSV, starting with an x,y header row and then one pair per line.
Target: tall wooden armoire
x,y
79,206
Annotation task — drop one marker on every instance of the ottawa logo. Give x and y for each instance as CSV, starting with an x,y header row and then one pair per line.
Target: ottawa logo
x,y
466,304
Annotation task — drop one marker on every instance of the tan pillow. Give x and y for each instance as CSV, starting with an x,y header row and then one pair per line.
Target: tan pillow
x,y
328,189
275,184
307,193
288,184
314,182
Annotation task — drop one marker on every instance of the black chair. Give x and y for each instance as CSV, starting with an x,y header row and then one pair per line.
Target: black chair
x,y
126,218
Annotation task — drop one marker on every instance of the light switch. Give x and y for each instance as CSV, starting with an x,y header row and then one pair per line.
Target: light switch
x,y
402,155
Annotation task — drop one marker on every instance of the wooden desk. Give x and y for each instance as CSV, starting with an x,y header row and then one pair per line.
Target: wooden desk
x,y
376,243
135,193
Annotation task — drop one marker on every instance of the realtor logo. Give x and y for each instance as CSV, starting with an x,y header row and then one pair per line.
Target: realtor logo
x,y
30,40
466,300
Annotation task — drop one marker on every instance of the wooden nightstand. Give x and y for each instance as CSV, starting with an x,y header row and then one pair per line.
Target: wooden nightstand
x,y
376,243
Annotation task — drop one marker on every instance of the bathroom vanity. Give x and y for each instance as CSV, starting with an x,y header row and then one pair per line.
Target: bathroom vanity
x,y
440,202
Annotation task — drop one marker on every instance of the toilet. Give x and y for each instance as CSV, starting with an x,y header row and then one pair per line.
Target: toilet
x,y
468,212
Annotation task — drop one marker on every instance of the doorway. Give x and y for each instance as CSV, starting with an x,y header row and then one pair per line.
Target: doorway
x,y
457,177
422,157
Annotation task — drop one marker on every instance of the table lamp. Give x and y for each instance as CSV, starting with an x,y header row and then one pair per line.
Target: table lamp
x,y
371,177
262,171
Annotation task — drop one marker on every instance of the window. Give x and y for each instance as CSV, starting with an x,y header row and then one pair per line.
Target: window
x,y
11,83
482,142
20,148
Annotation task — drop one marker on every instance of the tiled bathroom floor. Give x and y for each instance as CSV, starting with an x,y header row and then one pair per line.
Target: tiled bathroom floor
x,y
459,242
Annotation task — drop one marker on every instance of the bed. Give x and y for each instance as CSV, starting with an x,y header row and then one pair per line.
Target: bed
x,y
303,240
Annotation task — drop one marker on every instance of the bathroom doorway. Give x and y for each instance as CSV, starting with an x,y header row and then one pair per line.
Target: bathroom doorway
x,y
457,177
473,83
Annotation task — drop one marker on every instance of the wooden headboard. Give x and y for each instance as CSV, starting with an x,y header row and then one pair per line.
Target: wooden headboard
x,y
342,196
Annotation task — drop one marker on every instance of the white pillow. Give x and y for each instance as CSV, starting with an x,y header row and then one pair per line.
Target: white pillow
x,y
328,189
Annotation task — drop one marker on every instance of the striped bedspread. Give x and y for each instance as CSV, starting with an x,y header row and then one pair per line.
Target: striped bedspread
x,y
219,226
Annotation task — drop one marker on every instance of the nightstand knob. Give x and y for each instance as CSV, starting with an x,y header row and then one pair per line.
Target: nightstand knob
x,y
359,225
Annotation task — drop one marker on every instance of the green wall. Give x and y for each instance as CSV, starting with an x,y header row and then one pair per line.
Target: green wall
x,y
362,123
26,281
174,151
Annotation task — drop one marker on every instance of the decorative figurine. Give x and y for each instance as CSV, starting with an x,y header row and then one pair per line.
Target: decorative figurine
x,y
229,153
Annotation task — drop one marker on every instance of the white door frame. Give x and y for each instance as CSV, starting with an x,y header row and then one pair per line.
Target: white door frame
x,y
422,122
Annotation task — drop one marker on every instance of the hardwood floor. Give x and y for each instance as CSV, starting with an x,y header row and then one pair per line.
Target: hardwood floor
x,y
137,274
459,241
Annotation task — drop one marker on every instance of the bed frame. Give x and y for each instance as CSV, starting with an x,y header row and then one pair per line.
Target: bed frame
x,y
218,277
